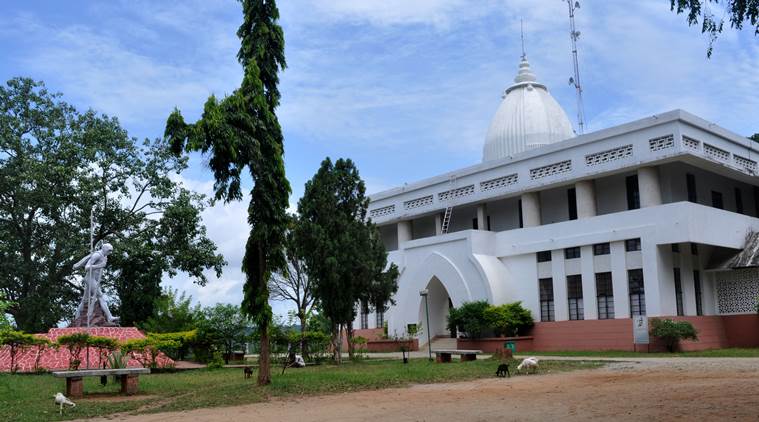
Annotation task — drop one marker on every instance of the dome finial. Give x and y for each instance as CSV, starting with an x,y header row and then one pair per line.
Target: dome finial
x,y
521,33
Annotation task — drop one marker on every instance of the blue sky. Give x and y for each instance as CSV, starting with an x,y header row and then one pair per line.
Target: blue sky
x,y
404,88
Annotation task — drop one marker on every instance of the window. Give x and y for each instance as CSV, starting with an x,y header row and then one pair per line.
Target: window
x,y
637,293
604,296
717,200
546,299
364,315
544,256
572,203
519,208
678,293
738,201
694,248
488,220
380,321
571,253
697,288
601,249
691,182
756,201
633,195
574,297
676,247
632,245
475,224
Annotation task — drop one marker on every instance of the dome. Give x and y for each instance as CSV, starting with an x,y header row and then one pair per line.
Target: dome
x,y
528,117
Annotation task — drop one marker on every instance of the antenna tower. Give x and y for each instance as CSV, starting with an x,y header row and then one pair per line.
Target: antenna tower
x,y
574,34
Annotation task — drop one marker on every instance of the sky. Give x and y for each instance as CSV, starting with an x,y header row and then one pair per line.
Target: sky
x,y
404,88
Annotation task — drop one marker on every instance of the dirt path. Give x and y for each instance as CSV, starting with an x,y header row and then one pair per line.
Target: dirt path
x,y
662,389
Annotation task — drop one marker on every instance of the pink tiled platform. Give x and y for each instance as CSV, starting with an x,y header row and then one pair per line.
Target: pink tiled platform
x,y
52,359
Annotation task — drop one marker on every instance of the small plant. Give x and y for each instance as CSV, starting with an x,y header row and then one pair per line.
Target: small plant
x,y
147,350
74,343
17,341
359,347
671,332
104,346
217,361
117,360
40,344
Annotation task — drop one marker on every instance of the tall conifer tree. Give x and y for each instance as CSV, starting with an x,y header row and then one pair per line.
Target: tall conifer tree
x,y
242,131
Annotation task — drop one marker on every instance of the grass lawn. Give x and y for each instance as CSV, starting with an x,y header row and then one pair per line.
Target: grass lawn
x,y
715,353
30,397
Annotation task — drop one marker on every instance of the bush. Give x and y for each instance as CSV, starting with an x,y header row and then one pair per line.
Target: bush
x,y
470,319
147,350
74,343
217,361
17,341
183,339
509,319
671,332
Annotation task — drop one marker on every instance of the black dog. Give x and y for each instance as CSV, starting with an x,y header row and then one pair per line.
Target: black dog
x,y
248,372
503,370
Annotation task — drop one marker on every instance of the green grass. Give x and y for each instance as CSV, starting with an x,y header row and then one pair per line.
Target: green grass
x,y
30,397
715,353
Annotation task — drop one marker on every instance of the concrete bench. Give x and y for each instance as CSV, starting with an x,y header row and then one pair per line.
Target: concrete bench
x,y
75,384
444,356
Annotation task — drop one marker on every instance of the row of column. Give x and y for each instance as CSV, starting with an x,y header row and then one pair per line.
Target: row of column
x,y
649,192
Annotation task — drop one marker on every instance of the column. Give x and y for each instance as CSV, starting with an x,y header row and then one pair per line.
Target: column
x,y
588,283
404,232
559,276
482,223
648,187
531,209
657,279
439,224
619,280
585,194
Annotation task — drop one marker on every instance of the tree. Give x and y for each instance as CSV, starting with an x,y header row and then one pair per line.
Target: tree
x,y
294,285
242,131
508,319
739,13
17,342
342,250
670,332
226,325
5,323
754,137
470,318
172,313
56,164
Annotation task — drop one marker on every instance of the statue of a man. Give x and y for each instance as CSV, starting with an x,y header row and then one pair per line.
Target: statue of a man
x,y
93,296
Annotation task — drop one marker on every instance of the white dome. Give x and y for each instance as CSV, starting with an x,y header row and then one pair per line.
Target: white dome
x,y
528,117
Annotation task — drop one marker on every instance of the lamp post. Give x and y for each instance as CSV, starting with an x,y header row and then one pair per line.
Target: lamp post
x,y
424,293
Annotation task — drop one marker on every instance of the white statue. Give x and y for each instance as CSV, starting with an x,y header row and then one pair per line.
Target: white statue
x,y
93,265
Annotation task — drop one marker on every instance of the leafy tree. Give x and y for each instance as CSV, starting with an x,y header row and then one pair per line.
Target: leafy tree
x,y
173,313
341,249
508,319
226,326
739,13
56,164
294,285
242,131
75,343
5,323
671,332
470,319
754,137
17,342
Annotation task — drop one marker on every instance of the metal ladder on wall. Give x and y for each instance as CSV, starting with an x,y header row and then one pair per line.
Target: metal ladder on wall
x,y
449,209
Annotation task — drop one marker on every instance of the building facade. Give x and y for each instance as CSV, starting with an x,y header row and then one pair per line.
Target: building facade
x,y
636,219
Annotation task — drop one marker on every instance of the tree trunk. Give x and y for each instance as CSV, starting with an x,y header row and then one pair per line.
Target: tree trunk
x,y
337,343
264,370
349,338
302,317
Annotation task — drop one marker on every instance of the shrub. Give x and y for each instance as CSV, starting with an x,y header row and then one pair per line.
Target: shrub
x,y
671,332
40,343
17,341
470,319
217,361
183,339
147,350
104,346
74,343
509,319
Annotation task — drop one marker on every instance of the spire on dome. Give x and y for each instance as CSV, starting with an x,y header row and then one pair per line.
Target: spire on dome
x,y
525,73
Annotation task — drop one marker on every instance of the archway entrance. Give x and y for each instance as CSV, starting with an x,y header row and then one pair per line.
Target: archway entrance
x,y
439,303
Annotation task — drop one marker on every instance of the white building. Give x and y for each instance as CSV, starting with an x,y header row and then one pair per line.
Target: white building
x,y
633,219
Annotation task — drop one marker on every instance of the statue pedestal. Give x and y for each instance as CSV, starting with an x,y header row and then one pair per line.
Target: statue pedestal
x,y
98,317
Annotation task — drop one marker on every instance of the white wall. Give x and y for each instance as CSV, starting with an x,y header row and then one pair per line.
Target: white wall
x,y
504,214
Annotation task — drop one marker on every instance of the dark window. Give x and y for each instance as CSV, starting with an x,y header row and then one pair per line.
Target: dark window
x,y
632,245
574,297
488,218
717,200
521,220
380,322
678,293
546,299
756,201
694,248
605,296
571,253
676,247
637,293
697,288
691,182
364,316
544,256
633,195
572,203
474,224
601,249
738,201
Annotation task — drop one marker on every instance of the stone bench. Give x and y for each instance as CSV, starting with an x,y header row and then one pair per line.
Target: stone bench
x,y
444,356
75,384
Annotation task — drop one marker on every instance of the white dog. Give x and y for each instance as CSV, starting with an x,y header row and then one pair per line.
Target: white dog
x,y
527,364
60,400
